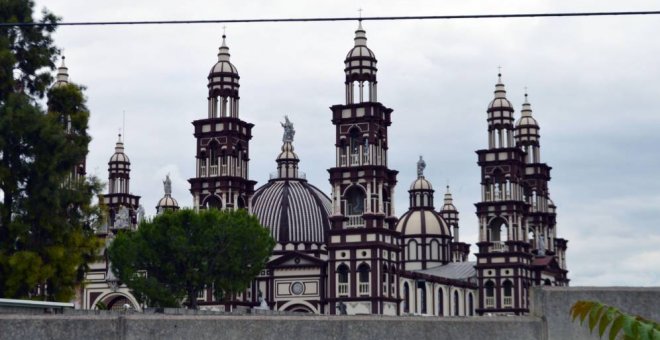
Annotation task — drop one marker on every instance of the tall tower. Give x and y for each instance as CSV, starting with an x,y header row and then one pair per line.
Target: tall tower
x,y
62,79
503,260
541,215
123,206
221,179
363,242
459,250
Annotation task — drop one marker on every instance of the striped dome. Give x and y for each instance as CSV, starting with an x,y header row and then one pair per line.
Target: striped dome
x,y
293,210
422,222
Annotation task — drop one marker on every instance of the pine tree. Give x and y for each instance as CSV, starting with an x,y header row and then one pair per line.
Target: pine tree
x,y
46,220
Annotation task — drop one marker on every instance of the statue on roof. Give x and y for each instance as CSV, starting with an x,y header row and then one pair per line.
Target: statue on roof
x,y
420,167
289,131
167,184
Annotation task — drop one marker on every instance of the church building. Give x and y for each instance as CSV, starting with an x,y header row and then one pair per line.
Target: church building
x,y
342,248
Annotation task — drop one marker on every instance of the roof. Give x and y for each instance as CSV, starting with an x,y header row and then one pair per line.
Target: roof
x,y
453,270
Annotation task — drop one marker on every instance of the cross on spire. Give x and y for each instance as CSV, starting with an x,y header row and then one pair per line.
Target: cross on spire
x,y
224,27
360,13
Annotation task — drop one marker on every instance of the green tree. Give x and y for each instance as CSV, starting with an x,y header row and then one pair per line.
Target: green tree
x,y
46,219
178,254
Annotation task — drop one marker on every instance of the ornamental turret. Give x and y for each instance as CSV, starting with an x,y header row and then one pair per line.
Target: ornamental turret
x,y
123,206
459,250
363,241
222,177
425,234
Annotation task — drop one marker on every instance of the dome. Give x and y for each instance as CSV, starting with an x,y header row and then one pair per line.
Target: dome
x,y
119,155
421,184
500,102
293,210
422,222
167,202
287,152
360,60
223,75
526,119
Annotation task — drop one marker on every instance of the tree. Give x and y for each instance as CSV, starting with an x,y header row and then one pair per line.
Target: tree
x,y
46,220
604,316
178,254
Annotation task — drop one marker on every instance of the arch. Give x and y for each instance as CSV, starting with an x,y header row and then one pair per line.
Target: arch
x,y
342,273
299,306
421,285
241,202
441,302
363,272
406,297
354,140
498,229
212,201
435,250
490,288
457,302
547,282
507,288
355,200
115,298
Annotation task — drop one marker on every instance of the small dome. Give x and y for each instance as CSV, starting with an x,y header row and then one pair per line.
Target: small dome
x,y
287,152
500,102
360,61
421,184
119,155
422,222
293,210
448,205
223,75
167,202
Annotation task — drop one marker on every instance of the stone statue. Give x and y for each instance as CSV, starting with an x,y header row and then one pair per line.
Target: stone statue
x,y
420,167
140,214
123,218
289,131
167,184
542,245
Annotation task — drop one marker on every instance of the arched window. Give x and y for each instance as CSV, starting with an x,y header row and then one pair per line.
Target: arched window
x,y
412,250
342,280
421,285
441,304
508,293
363,277
490,294
435,247
456,304
497,230
355,201
406,298
384,275
213,202
392,281
354,138
470,311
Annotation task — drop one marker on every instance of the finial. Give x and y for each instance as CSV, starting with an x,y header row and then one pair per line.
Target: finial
x,y
289,131
224,28
63,57
526,102
420,167
360,13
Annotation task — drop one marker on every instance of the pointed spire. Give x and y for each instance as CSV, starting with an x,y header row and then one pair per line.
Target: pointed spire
x,y
360,35
119,147
500,92
448,198
223,54
62,74
526,108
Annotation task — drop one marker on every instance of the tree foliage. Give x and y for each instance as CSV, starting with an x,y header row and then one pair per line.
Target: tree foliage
x,y
46,219
178,254
604,316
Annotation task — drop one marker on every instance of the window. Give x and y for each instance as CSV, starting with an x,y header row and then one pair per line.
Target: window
x,y
456,304
384,279
490,294
421,285
441,305
508,293
355,201
412,250
470,305
342,280
363,277
406,298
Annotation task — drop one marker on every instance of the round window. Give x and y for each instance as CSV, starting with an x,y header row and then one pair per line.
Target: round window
x,y
297,288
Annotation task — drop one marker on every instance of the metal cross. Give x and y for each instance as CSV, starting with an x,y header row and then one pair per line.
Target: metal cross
x,y
223,29
360,12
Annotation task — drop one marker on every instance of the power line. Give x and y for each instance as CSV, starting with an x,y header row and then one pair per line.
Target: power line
x,y
278,20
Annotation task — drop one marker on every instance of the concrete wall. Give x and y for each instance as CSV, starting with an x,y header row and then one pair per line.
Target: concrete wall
x,y
552,305
549,319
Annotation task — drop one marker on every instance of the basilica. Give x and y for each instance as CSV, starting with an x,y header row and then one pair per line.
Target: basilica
x,y
342,248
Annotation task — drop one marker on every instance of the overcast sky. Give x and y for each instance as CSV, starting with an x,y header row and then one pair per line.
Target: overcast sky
x,y
593,86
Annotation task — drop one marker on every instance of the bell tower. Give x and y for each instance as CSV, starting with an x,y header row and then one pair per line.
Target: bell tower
x,y
363,241
503,259
222,177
